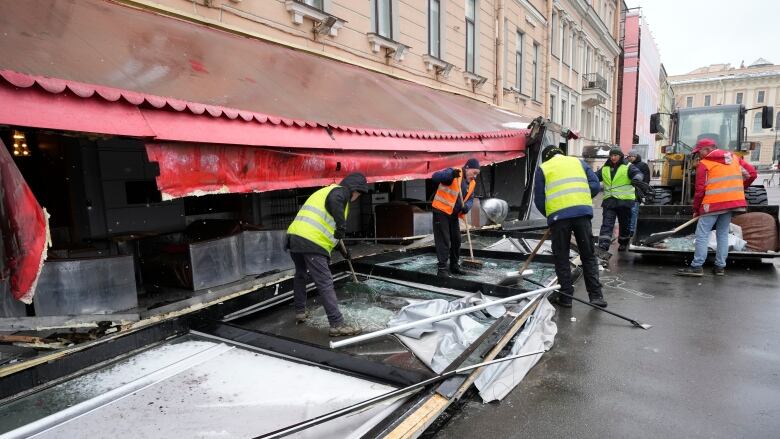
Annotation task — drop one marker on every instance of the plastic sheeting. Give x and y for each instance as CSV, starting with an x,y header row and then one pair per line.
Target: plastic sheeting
x,y
437,345
24,227
200,169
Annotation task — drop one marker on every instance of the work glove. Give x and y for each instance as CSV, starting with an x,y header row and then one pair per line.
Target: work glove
x,y
345,252
338,234
456,172
644,189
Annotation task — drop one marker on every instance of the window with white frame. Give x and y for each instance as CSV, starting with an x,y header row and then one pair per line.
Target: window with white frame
x,y
535,78
689,102
319,4
519,62
434,28
587,60
760,97
553,114
383,18
565,43
471,17
757,122
739,98
707,100
573,48
573,112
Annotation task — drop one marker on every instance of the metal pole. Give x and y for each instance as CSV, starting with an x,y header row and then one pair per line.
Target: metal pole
x,y
404,327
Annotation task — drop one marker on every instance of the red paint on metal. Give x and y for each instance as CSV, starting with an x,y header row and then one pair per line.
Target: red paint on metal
x,y
24,230
198,66
198,169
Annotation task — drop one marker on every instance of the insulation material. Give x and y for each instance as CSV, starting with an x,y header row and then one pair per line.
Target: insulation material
x,y
200,169
25,230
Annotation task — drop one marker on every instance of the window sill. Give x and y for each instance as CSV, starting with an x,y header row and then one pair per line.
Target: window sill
x,y
438,65
393,49
473,79
324,23
535,102
516,94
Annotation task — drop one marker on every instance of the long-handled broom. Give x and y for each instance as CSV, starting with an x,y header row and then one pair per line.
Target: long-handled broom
x,y
470,261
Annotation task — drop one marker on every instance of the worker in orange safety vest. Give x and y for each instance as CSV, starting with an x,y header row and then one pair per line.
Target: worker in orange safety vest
x,y
721,179
447,207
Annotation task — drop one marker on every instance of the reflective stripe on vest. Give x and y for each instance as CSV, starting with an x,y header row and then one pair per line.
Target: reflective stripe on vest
x,y
446,196
620,187
724,182
313,221
565,184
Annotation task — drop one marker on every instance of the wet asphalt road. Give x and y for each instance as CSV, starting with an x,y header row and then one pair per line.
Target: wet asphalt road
x,y
710,366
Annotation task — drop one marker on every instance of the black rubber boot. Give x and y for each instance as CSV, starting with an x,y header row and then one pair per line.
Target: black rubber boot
x,y
598,301
455,269
443,272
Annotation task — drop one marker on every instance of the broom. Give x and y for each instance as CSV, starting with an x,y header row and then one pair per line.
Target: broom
x,y
470,261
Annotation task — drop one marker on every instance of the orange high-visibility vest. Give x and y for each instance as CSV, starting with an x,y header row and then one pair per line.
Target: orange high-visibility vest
x,y
724,182
446,196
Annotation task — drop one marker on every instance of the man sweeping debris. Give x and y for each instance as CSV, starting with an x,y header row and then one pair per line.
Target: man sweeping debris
x,y
619,197
721,179
315,231
564,188
447,207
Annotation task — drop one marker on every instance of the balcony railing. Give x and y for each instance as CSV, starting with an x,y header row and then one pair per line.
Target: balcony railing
x,y
594,81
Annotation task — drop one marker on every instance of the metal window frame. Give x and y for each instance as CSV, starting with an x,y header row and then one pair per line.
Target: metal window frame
x,y
473,22
519,60
438,31
390,15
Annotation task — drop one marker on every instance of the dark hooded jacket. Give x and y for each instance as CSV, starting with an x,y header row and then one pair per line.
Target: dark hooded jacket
x,y
644,169
633,173
335,204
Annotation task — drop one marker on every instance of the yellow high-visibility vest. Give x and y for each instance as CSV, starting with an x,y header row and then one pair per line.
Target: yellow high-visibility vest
x,y
565,184
313,221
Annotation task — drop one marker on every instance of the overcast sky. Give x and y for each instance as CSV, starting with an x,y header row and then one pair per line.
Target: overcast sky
x,y
697,33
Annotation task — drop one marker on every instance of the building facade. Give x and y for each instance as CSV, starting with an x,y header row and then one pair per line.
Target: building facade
x,y
530,57
753,86
584,53
640,86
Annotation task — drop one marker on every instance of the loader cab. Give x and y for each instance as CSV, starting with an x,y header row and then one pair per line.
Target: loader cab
x,y
724,124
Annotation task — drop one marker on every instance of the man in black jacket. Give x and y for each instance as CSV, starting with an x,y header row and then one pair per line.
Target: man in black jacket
x,y
635,159
312,236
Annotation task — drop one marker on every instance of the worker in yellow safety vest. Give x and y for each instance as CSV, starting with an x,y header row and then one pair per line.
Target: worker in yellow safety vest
x,y
315,231
619,198
447,208
564,188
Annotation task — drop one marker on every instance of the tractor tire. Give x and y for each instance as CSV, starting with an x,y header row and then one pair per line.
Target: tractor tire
x,y
661,197
756,196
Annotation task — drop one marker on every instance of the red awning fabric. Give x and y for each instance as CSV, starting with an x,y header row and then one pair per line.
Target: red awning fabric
x,y
24,228
200,169
172,82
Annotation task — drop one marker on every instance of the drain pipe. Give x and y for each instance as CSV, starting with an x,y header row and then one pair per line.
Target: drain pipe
x,y
500,52
405,326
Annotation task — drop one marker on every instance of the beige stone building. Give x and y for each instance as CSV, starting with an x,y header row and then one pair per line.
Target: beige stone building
x,y
495,51
753,86
584,53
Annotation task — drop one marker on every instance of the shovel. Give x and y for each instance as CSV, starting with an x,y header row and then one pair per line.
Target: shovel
x,y
517,276
470,261
349,262
660,236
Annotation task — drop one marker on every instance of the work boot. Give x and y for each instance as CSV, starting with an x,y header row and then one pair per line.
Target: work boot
x,y
560,300
455,269
443,272
719,271
690,271
598,301
622,247
301,317
343,330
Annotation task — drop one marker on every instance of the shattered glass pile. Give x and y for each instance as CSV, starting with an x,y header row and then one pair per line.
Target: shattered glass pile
x,y
493,271
678,243
371,303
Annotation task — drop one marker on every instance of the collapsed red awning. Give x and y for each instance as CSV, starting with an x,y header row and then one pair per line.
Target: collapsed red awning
x,y
24,230
194,169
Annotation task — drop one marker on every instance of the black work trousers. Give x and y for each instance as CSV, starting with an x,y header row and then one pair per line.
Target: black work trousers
x,y
623,216
560,233
446,236
319,271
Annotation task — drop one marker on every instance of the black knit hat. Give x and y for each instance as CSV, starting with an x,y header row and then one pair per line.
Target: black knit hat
x,y
472,163
551,151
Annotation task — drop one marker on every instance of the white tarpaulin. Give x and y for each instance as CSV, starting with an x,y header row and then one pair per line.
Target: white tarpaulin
x,y
437,345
